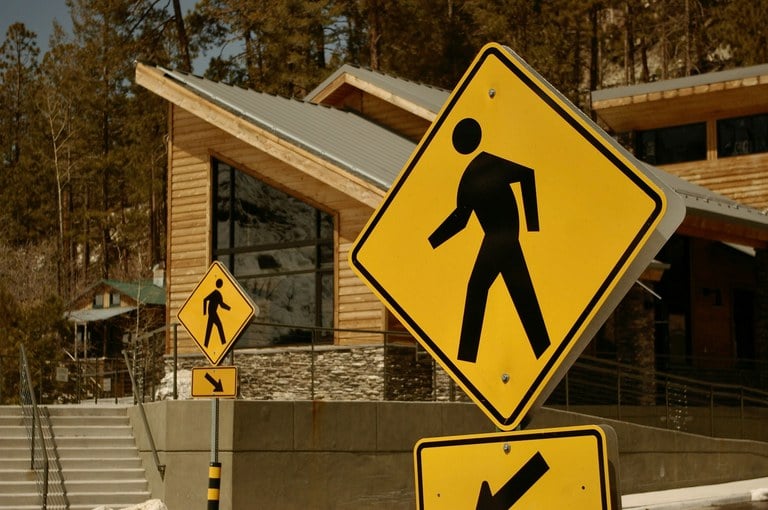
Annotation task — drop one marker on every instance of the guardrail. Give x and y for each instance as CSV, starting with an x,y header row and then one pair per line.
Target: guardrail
x,y
629,393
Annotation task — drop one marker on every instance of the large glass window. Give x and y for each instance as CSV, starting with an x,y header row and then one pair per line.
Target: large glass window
x,y
675,144
742,135
280,249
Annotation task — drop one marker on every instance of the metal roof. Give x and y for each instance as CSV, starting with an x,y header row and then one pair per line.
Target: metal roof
x,y
681,83
144,292
97,314
378,154
426,96
343,138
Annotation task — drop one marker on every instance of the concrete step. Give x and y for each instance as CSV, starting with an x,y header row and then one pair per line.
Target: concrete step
x,y
89,464
110,499
7,464
20,500
87,429
16,486
102,473
97,452
83,442
20,474
115,486
13,442
7,431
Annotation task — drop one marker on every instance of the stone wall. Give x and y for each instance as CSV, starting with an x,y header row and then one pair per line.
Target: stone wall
x,y
365,373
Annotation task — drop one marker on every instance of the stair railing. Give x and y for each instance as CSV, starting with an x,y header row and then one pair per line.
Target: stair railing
x,y
160,467
31,413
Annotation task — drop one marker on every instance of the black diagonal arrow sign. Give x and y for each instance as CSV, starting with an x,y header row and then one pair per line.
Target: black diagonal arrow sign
x,y
216,383
515,487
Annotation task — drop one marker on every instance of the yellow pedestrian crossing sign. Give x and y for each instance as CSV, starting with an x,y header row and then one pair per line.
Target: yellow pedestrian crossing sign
x,y
512,232
216,313
571,467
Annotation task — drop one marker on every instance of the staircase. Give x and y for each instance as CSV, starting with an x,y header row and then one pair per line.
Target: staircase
x,y
97,455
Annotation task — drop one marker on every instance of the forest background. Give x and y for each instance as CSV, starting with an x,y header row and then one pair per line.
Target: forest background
x,y
83,148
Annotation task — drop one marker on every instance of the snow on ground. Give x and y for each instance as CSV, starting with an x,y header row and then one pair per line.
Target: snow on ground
x,y
152,504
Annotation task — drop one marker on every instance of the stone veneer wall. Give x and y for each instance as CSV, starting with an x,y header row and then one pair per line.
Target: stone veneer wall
x,y
367,373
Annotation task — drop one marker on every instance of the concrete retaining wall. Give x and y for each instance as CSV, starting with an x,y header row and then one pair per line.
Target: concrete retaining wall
x,y
337,455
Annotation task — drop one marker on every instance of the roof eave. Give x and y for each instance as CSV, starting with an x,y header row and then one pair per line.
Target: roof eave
x,y
159,82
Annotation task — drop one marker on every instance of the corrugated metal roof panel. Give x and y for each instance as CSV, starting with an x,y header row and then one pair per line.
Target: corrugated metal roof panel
x,y
343,138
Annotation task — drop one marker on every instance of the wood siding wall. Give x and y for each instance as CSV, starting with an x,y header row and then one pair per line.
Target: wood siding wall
x,y
742,178
192,145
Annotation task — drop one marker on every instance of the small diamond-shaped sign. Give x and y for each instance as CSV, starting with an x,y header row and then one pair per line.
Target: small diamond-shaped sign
x,y
216,312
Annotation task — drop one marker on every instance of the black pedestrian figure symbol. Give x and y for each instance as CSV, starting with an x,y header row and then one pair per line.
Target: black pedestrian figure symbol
x,y
211,305
485,189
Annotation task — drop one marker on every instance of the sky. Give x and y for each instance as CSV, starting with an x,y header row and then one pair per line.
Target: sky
x,y
38,16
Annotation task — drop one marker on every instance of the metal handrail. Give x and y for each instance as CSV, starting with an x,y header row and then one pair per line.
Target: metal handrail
x,y
160,467
35,431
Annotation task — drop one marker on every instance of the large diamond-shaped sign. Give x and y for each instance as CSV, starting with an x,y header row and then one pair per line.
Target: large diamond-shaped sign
x,y
511,233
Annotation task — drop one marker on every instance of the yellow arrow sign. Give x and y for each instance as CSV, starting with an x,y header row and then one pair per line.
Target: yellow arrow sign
x,y
216,312
214,382
511,233
549,468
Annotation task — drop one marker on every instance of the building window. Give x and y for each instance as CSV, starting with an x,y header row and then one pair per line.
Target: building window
x,y
742,135
675,144
98,301
281,251
114,299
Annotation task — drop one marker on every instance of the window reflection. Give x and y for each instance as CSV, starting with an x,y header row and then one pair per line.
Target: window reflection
x,y
674,144
742,135
280,249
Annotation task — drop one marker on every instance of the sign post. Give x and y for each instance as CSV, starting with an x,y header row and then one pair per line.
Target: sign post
x,y
215,314
512,232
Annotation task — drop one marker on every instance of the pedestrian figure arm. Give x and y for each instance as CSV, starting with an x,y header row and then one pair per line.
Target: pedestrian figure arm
x,y
453,224
205,305
525,176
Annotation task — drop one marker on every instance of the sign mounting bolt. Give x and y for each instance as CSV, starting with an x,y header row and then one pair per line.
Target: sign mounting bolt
x,y
491,93
506,448
505,378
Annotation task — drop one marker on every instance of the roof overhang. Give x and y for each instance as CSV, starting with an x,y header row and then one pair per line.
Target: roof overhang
x,y
97,314
713,95
348,78
172,87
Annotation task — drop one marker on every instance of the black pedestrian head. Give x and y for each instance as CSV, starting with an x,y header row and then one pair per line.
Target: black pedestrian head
x,y
467,135
219,283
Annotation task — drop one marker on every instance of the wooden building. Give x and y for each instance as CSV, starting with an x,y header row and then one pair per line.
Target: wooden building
x,y
278,189
711,130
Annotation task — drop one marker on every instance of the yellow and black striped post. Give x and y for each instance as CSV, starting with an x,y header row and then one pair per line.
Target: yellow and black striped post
x,y
214,483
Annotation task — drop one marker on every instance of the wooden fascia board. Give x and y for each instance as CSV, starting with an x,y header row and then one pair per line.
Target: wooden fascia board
x,y
154,80
389,97
330,89
668,107
711,228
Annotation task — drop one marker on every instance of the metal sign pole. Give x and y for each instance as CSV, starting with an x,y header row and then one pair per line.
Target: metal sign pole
x,y
214,468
